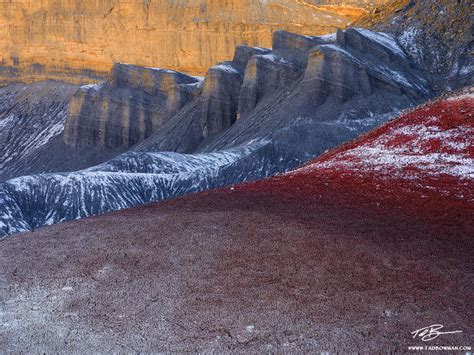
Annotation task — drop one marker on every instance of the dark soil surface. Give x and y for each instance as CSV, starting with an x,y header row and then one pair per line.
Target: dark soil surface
x,y
324,259
240,270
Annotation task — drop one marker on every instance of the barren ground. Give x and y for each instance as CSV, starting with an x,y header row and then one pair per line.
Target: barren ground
x,y
321,259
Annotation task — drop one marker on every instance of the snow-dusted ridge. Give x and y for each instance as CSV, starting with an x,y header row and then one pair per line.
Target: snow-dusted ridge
x,y
431,142
385,39
381,70
226,68
130,179
30,116
95,87
278,134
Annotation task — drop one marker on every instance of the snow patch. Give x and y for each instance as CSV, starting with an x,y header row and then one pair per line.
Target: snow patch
x,y
271,57
382,38
168,71
408,41
469,95
331,37
94,87
226,67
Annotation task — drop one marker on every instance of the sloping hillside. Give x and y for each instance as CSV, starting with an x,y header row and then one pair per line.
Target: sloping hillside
x,y
425,153
437,35
345,254
262,113
29,117
32,126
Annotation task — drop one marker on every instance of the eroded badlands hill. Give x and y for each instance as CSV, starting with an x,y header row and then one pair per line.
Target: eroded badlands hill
x,y
345,254
422,160
262,113
437,35
79,40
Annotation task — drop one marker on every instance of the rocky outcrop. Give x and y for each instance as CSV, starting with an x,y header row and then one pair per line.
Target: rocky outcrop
x,y
219,99
264,75
267,74
30,115
32,121
349,75
78,41
136,102
360,62
301,77
132,104
300,83
181,113
291,109
436,35
294,47
213,111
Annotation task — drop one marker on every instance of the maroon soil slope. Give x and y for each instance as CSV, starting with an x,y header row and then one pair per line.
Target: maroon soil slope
x,y
352,252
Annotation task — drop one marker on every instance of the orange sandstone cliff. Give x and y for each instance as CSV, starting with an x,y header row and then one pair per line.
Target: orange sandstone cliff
x,y
79,40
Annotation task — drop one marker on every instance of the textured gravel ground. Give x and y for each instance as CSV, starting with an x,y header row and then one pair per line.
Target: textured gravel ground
x,y
326,258
239,270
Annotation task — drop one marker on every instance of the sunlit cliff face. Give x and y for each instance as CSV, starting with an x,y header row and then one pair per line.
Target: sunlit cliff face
x,y
79,40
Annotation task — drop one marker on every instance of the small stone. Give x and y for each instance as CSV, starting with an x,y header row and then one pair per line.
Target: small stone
x,y
250,328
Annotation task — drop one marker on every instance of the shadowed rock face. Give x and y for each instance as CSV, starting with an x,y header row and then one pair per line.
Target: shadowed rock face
x,y
436,35
128,108
214,109
361,62
356,74
351,75
294,47
331,73
136,102
265,75
219,99
290,111
32,121
30,115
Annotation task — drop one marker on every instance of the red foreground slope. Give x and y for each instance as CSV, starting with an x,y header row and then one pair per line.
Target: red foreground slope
x,y
352,252
422,163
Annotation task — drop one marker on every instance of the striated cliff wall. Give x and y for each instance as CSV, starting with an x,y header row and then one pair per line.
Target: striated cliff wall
x,y
181,113
127,108
77,40
437,36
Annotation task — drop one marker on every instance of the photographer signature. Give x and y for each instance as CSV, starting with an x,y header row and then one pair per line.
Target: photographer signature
x,y
431,332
